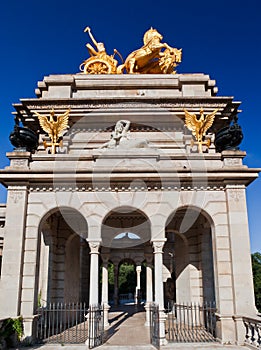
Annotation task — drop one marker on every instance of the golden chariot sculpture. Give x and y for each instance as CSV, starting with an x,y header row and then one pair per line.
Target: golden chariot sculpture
x,y
154,57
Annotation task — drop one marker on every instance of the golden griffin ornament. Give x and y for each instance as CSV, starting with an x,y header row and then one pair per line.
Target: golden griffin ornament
x,y
199,126
54,126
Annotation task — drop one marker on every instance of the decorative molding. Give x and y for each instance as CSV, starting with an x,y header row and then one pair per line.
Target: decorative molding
x,y
235,192
233,161
99,104
19,163
236,195
16,195
17,188
120,188
235,187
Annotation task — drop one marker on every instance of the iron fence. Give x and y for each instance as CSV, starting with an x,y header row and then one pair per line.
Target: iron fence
x,y
191,322
96,326
70,323
154,325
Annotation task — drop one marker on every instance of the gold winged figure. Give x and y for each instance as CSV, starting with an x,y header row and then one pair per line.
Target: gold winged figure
x,y
54,127
200,126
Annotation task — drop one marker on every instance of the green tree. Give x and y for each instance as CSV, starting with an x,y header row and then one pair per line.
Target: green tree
x,y
127,278
256,266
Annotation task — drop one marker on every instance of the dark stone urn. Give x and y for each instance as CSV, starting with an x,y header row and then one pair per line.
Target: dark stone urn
x,y
23,139
229,137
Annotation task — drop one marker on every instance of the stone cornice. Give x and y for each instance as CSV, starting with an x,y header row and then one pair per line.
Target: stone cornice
x,y
227,175
81,107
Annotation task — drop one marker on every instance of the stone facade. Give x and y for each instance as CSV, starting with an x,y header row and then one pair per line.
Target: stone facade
x,y
187,210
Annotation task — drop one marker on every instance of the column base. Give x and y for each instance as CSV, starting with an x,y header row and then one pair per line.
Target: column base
x,y
147,309
106,308
225,329
162,320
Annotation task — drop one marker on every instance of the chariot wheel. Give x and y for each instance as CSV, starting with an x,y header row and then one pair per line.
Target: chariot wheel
x,y
97,66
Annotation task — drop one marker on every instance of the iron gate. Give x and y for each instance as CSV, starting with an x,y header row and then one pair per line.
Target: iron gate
x,y
70,323
191,322
154,325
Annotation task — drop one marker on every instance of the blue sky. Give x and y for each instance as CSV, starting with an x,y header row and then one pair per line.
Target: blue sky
x,y
219,38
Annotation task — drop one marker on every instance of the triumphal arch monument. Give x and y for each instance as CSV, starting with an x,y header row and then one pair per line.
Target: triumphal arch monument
x,y
128,161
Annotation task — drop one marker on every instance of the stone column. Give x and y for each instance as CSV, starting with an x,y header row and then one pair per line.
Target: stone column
x,y
13,252
94,272
158,245
149,291
105,299
137,292
116,288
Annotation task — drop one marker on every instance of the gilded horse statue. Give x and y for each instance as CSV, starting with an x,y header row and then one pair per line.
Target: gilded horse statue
x,y
150,58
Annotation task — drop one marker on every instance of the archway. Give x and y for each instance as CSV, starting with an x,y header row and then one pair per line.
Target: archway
x,y
126,234
63,257
188,257
127,281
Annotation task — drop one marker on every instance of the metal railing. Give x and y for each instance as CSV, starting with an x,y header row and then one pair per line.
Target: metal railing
x,y
154,325
253,331
191,322
70,323
62,323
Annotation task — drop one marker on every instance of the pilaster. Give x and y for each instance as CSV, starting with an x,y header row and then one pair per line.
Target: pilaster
x,y
244,302
13,251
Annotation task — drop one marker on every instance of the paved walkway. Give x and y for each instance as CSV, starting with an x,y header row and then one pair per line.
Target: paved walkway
x,y
127,332
127,327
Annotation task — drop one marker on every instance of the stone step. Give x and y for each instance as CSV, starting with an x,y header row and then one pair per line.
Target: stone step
x,y
173,346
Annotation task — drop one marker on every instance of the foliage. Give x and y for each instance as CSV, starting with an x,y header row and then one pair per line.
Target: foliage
x,y
256,266
127,278
39,298
11,327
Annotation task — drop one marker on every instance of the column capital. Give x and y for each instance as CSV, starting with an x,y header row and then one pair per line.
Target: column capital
x,y
94,246
149,258
105,258
138,268
158,245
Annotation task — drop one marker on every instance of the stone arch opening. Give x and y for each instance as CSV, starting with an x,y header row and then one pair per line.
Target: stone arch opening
x,y
188,257
125,227
126,234
63,257
127,280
